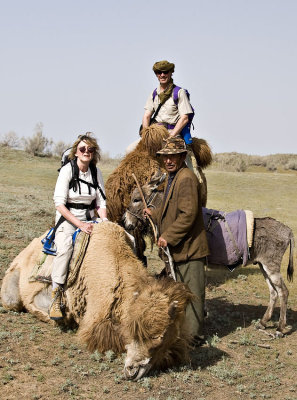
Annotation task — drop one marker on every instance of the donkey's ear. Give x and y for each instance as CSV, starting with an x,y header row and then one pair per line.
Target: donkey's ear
x,y
157,179
156,176
162,179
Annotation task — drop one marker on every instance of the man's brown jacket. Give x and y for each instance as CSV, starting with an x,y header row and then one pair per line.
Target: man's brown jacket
x,y
180,220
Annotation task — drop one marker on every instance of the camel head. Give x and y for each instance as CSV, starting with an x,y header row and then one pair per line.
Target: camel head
x,y
155,326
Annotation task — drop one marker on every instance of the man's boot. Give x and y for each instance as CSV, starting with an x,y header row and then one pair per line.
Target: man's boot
x,y
55,312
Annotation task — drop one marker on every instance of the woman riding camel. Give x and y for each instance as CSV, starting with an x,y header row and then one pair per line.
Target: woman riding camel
x,y
76,198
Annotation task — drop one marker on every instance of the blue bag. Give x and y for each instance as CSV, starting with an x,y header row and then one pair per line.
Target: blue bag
x,y
186,134
49,246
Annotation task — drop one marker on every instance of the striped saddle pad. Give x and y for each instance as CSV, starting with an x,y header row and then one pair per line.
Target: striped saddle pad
x,y
43,268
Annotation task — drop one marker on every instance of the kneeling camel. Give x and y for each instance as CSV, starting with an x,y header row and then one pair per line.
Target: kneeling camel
x,y
114,301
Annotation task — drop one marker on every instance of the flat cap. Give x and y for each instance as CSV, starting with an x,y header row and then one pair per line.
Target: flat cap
x,y
163,66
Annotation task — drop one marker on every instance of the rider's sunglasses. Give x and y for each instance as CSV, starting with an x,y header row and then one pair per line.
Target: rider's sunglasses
x,y
162,72
84,149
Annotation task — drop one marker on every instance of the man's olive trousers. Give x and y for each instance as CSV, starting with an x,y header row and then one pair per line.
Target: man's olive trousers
x,y
192,273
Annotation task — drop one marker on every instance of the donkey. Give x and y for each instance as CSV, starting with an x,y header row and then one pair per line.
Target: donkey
x,y
270,241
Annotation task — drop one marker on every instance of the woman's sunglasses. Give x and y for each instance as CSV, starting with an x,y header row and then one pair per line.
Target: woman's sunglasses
x,y
84,149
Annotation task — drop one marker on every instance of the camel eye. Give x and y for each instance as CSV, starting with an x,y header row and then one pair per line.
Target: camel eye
x,y
136,200
156,341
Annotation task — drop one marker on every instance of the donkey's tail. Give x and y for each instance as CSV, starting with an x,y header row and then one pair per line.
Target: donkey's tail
x,y
290,269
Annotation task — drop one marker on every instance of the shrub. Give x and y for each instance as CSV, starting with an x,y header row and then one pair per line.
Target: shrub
x,y
109,162
271,166
59,148
38,145
240,166
259,161
10,139
232,161
291,164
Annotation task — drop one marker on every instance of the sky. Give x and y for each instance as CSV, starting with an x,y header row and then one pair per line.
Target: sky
x,y
86,65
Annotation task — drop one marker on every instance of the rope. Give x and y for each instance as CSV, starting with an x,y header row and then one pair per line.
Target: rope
x,y
170,261
145,206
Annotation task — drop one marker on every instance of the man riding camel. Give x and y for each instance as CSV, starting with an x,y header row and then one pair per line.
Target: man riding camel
x,y
169,104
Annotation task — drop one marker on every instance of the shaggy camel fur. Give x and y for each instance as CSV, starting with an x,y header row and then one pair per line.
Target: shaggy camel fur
x,y
271,238
116,304
143,162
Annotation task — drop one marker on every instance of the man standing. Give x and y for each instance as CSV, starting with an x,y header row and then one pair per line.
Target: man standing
x,y
181,228
173,113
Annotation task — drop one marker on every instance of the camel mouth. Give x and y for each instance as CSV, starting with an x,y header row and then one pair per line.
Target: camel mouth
x,y
136,373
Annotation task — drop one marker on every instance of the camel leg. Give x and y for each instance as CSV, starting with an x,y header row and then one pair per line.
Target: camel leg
x,y
10,292
40,303
276,282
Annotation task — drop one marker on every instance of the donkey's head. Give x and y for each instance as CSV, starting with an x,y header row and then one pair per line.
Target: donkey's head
x,y
133,217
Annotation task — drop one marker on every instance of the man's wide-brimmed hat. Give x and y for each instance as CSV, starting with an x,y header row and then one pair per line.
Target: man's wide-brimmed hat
x,y
164,66
173,146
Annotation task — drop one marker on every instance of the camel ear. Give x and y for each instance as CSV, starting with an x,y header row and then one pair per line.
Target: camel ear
x,y
172,309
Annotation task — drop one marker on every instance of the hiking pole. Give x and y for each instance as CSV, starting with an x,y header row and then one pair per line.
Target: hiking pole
x,y
145,206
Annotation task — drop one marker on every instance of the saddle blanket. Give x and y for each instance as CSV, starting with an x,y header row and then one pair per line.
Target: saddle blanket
x,y
42,270
227,237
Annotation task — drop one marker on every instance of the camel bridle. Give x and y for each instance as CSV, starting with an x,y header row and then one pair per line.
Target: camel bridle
x,y
146,206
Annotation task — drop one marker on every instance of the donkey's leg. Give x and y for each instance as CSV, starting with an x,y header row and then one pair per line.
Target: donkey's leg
x,y
272,299
277,282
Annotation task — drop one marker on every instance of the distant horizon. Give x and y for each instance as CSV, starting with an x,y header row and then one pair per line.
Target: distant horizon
x,y
123,155
79,66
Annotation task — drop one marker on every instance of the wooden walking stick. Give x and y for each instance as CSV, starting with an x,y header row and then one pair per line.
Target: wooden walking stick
x,y
145,206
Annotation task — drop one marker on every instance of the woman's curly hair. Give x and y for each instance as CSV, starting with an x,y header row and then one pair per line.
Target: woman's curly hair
x,y
91,141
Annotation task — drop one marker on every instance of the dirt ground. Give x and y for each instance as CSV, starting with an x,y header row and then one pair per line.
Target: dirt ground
x,y
41,361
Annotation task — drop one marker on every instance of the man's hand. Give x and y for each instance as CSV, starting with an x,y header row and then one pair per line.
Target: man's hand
x,y
146,212
162,242
181,123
